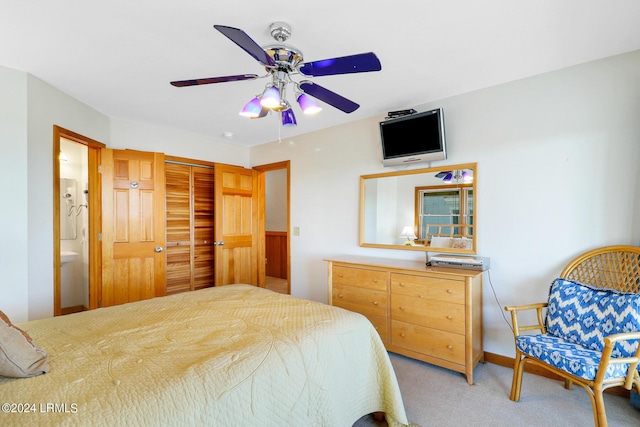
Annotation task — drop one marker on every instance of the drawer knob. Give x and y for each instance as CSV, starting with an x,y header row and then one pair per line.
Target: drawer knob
x,y
449,291
340,275
340,296
401,308
450,347
402,334
375,303
401,285
375,280
450,317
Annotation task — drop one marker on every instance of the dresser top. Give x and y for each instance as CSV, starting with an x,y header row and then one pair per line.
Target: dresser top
x,y
400,264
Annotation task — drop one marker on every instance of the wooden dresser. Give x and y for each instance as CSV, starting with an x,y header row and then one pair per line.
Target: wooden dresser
x,y
430,314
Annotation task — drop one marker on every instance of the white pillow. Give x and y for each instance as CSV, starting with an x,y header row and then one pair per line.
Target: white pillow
x,y
461,243
440,242
20,356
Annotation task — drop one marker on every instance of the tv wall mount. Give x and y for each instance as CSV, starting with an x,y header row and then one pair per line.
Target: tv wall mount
x,y
399,113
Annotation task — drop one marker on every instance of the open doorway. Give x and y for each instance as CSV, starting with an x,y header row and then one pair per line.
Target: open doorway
x,y
76,226
274,189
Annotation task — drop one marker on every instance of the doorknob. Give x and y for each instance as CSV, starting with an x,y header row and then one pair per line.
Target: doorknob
x,y
159,248
219,243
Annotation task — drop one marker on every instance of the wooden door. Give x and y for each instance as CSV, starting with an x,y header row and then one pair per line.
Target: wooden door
x,y
236,225
133,235
189,229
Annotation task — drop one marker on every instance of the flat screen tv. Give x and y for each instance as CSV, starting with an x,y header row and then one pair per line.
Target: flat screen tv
x,y
414,138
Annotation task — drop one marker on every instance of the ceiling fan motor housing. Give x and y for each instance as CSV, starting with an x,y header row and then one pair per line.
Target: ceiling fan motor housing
x,y
280,31
286,57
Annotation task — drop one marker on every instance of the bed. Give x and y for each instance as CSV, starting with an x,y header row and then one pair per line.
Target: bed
x,y
235,355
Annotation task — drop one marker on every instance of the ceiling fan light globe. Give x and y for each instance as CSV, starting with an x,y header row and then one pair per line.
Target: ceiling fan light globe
x,y
252,108
308,105
271,98
288,118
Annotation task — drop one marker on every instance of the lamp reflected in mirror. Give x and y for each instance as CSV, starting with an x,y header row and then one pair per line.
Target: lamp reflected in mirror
x,y
407,232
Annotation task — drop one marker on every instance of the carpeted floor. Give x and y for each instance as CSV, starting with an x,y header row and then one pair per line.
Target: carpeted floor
x,y
437,397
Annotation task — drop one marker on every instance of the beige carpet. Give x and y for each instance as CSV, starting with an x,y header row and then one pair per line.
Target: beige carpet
x,y
436,397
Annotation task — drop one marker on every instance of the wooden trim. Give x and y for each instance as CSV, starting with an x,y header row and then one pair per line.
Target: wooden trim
x,y
76,137
276,254
530,368
187,161
57,279
74,309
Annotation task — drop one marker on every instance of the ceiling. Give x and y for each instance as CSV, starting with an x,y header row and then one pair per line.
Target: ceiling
x,y
118,56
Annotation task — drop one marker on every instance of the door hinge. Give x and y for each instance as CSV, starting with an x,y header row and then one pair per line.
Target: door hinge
x,y
100,237
100,304
99,168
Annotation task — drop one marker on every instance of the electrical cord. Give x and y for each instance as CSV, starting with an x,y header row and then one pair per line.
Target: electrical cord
x,y
500,306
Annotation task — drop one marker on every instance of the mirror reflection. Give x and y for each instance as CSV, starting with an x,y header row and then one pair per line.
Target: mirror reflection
x,y
429,209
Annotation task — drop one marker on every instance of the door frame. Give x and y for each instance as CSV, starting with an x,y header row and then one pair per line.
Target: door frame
x,y
262,170
94,202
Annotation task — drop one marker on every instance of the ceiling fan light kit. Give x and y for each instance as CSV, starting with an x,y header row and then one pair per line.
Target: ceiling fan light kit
x,y
281,61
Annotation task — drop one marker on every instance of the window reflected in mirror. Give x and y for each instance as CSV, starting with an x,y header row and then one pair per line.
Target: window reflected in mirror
x,y
445,213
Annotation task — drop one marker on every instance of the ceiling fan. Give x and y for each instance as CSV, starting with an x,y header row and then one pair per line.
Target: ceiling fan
x,y
282,61
457,175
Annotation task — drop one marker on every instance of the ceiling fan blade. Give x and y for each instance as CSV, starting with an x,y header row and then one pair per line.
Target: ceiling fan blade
x,y
331,98
241,38
360,63
223,79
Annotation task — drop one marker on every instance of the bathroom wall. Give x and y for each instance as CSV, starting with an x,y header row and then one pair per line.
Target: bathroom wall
x,y
74,275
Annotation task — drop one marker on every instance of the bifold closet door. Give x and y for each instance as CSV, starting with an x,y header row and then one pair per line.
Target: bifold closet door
x,y
189,227
203,227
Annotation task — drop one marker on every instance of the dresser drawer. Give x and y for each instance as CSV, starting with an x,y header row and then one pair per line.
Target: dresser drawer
x,y
364,301
431,342
360,277
380,323
434,314
436,288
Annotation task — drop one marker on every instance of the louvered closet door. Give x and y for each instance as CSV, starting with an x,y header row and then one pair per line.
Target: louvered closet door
x,y
178,206
203,227
189,205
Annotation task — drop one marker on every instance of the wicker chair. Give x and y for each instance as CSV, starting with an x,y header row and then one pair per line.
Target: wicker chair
x,y
614,268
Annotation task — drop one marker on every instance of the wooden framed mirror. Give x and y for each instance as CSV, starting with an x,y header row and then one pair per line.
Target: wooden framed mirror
x,y
430,210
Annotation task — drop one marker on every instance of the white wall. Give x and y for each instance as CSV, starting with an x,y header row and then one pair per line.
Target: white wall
x,y
145,137
557,158
47,107
14,188
276,201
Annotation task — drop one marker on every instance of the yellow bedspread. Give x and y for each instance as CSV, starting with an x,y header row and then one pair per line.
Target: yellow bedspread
x,y
236,355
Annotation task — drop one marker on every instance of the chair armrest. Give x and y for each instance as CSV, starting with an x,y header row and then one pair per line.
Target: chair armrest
x,y
514,317
606,360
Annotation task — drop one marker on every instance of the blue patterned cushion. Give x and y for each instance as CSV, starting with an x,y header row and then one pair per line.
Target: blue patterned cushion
x,y
580,314
567,356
